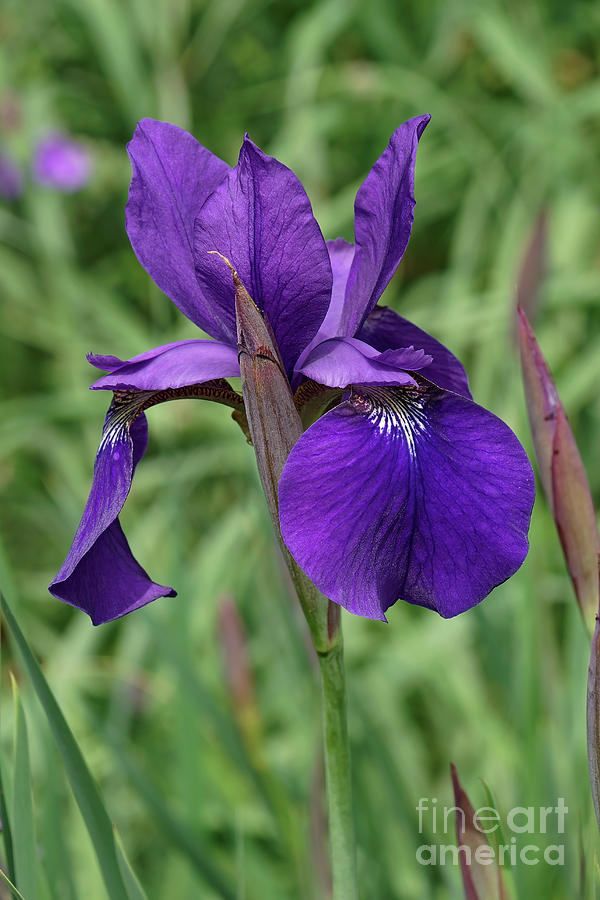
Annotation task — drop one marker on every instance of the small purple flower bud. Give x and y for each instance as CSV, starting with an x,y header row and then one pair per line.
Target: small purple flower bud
x,y
61,163
482,877
11,178
562,474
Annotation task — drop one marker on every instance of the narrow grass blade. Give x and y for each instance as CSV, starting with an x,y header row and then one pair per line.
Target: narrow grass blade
x,y
172,828
59,854
86,792
25,851
134,888
497,839
12,888
6,831
497,835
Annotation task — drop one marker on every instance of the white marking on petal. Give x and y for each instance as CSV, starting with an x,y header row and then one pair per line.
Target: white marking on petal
x,y
394,412
124,409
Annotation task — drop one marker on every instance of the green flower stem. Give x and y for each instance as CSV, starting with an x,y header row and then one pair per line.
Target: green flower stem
x,y
275,426
337,766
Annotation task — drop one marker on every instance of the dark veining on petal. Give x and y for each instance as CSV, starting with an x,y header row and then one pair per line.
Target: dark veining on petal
x,y
127,405
391,409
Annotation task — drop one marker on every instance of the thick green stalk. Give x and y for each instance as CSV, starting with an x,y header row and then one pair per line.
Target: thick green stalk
x,y
593,719
337,766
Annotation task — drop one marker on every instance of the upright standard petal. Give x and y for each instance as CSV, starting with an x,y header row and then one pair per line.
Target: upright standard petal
x,y
384,329
383,218
407,493
341,254
260,219
172,177
100,575
170,366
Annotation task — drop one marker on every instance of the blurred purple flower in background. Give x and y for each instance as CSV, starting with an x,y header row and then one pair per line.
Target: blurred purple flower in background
x,y
62,163
406,488
11,177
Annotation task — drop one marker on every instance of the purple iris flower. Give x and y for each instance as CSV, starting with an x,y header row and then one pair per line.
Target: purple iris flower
x,y
11,178
405,488
61,163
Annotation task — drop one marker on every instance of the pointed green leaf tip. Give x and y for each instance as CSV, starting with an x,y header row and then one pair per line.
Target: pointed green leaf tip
x,y
562,474
482,877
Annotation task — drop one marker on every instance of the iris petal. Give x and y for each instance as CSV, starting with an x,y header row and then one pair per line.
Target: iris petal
x,y
172,177
383,218
260,219
100,575
384,329
343,361
170,366
407,493
341,254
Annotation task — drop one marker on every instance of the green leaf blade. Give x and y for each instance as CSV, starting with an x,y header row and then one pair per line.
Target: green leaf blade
x,y
84,787
25,851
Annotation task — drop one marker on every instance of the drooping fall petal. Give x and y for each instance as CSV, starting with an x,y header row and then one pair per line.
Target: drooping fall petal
x,y
100,575
407,493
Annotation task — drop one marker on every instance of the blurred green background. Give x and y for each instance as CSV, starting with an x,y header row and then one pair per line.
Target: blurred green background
x,y
192,772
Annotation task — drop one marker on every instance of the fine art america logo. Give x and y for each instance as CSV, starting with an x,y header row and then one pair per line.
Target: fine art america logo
x,y
508,845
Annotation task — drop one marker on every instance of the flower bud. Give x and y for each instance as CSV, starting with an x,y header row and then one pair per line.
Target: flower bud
x,y
482,877
275,426
562,474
